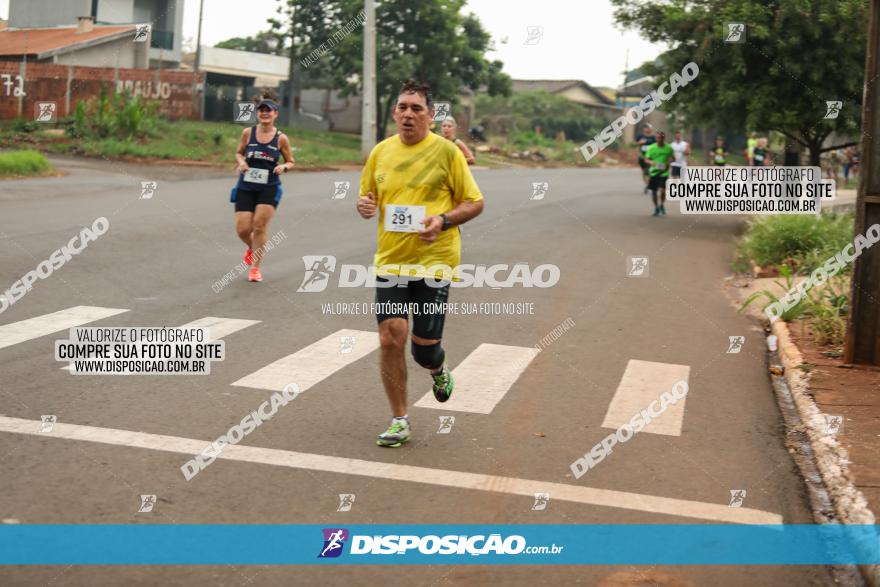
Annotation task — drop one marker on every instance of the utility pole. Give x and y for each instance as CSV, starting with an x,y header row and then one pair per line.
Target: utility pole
x,y
197,65
292,88
198,60
863,327
368,97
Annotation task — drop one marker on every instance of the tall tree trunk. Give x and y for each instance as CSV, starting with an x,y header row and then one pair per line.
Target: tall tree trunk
x,y
814,148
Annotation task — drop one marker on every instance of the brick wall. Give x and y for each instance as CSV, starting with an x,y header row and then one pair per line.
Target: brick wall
x,y
68,84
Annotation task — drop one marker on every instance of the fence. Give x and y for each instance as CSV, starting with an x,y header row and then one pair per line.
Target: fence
x,y
24,84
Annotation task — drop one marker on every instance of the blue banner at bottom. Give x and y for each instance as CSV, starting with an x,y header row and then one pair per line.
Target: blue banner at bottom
x,y
247,544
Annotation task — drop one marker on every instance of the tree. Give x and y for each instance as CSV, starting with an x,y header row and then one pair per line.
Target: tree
x,y
263,42
798,54
430,41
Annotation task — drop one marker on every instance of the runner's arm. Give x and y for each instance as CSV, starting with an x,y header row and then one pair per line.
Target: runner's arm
x,y
465,211
284,145
239,153
468,156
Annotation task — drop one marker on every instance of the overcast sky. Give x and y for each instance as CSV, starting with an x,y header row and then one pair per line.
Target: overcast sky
x,y
577,38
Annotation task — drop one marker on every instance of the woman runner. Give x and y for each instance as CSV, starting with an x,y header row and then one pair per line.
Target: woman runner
x,y
258,191
448,128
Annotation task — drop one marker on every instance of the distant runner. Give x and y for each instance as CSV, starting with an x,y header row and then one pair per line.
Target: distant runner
x,y
759,153
659,156
751,143
645,141
258,191
422,190
448,128
682,150
719,152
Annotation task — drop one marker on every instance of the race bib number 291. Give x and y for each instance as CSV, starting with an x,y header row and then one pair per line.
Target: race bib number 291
x,y
404,218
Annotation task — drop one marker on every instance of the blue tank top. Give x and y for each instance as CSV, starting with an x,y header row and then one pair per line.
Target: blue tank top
x,y
261,156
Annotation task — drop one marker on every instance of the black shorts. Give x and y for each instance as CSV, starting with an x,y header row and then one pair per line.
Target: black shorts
x,y
645,166
247,200
412,295
675,171
657,182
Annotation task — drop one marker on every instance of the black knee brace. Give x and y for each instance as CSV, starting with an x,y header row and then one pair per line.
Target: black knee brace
x,y
429,356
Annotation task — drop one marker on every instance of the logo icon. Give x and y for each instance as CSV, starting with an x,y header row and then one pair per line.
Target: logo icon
x,y
833,424
245,112
446,423
637,266
441,111
541,501
334,540
45,111
346,344
141,33
147,504
736,33
539,190
735,344
346,500
533,35
737,497
340,189
318,270
834,107
48,422
148,188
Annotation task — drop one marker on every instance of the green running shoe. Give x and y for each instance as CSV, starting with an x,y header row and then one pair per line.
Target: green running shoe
x,y
397,433
443,384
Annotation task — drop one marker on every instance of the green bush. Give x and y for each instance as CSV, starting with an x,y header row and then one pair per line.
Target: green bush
x,y
24,125
523,111
803,242
118,116
826,310
23,163
531,139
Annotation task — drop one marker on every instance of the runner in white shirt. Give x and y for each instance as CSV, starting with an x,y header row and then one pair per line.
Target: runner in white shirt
x,y
682,149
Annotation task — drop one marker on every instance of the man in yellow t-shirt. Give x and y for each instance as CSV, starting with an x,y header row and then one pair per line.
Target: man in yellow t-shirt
x,y
420,187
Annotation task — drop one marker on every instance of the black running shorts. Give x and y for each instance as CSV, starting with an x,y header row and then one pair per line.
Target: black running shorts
x,y
413,296
657,182
247,200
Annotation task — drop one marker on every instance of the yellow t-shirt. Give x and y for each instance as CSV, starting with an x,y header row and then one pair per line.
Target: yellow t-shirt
x,y
432,173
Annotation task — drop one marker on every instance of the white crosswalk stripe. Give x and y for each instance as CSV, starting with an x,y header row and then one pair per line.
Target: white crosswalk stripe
x,y
483,378
32,328
641,384
314,363
714,512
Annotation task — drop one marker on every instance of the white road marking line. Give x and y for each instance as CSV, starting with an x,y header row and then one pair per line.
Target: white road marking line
x,y
642,383
44,324
314,363
388,471
220,328
482,379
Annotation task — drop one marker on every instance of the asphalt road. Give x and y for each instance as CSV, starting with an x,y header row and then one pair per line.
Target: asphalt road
x,y
159,261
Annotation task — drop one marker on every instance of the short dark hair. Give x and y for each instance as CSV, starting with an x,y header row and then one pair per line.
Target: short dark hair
x,y
412,86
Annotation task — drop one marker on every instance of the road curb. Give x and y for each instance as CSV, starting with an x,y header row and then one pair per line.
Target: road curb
x,y
832,459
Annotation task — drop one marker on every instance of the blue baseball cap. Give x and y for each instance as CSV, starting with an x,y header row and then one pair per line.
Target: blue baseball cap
x,y
268,103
